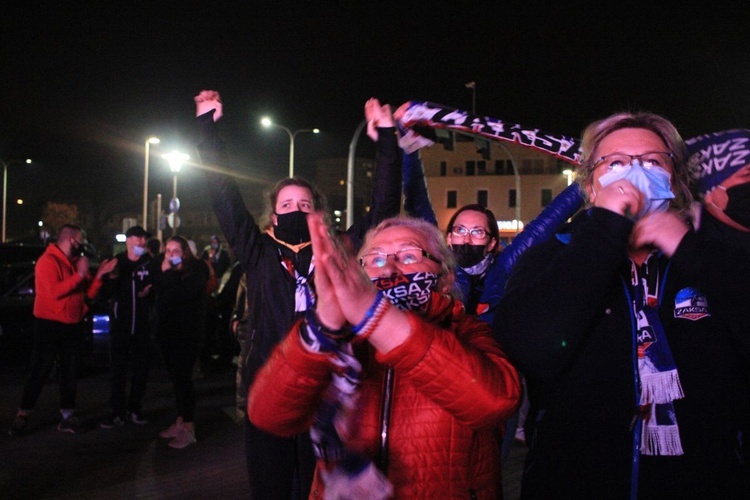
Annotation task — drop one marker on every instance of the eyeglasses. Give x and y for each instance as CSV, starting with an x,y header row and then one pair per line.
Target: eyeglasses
x,y
619,161
405,256
477,233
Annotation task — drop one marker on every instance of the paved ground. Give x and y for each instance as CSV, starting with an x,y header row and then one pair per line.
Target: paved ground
x,y
133,462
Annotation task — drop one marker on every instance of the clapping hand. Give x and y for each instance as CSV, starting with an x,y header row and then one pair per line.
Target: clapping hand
x,y
344,291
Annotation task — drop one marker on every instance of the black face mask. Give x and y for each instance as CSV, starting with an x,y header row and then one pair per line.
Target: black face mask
x,y
738,205
292,228
469,255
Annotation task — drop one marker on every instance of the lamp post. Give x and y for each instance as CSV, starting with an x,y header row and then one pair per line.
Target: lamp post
x,y
517,176
266,122
5,190
350,174
473,87
149,142
175,159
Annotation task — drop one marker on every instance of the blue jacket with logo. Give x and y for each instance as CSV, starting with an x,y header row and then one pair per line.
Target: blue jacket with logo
x,y
566,321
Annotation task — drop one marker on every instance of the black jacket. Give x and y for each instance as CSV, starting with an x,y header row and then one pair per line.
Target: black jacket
x,y
270,288
567,321
128,311
181,303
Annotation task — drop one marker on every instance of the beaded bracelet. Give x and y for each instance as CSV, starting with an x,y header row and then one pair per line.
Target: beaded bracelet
x,y
374,314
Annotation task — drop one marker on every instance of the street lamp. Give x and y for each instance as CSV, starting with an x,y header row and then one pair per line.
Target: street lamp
x,y
5,189
175,159
266,122
149,142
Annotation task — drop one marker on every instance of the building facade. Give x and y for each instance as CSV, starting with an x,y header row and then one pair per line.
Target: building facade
x,y
513,181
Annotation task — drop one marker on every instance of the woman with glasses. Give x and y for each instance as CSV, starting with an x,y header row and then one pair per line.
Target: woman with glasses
x,y
631,330
483,266
473,237
400,388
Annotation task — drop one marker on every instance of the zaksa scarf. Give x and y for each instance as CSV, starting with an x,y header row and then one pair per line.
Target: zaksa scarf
x,y
349,474
659,380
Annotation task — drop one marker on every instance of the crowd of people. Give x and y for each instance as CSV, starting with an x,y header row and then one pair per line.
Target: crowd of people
x,y
390,360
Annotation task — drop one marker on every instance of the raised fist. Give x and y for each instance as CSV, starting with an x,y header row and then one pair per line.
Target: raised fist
x,y
207,100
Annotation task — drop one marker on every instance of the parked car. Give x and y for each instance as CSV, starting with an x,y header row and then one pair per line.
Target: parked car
x,y
17,294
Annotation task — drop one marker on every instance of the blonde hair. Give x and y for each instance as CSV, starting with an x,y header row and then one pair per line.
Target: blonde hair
x,y
596,132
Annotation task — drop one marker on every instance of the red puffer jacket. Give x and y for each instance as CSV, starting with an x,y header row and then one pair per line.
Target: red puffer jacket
x,y
453,388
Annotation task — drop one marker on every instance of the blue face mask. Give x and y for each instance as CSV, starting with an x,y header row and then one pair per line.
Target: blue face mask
x,y
175,261
653,182
138,250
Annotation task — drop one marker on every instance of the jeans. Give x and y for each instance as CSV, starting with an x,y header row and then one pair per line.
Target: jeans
x,y
130,355
180,356
54,340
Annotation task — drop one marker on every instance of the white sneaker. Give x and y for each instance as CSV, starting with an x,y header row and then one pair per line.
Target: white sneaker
x,y
171,431
184,438
137,419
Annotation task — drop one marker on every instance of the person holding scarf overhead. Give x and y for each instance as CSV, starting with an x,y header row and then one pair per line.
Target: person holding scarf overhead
x,y
632,332
276,256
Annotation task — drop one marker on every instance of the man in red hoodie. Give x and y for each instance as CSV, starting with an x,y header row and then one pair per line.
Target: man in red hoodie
x,y
61,280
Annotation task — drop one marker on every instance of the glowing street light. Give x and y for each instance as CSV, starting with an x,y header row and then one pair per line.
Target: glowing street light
x,y
175,159
5,189
266,122
149,142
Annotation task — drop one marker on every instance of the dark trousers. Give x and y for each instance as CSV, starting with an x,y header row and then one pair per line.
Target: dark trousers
x,y
54,340
130,355
180,356
278,467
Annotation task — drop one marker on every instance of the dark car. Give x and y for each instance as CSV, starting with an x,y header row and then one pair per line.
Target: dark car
x,y
17,294
17,302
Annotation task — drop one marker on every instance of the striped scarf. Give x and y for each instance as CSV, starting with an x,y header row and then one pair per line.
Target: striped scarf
x,y
659,380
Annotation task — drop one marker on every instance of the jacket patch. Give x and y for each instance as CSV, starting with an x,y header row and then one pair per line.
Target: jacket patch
x,y
691,304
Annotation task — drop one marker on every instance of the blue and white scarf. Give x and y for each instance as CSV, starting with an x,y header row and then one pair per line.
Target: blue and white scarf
x,y
660,382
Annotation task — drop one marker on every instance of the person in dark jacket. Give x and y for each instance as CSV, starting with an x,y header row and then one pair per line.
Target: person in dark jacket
x,y
276,256
181,308
217,256
631,329
128,288
724,214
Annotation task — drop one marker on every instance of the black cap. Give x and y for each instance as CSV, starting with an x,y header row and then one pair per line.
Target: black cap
x,y
136,231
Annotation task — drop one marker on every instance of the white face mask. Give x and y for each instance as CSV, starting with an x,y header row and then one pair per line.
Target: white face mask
x,y
139,250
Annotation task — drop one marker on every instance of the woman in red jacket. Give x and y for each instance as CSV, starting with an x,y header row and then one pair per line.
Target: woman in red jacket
x,y
402,390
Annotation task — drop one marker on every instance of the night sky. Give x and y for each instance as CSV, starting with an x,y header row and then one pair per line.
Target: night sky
x,y
84,86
